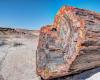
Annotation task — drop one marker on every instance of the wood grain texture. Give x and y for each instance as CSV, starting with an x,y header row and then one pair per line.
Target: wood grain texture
x,y
70,45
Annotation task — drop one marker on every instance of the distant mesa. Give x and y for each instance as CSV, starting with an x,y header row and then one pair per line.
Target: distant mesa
x,y
18,32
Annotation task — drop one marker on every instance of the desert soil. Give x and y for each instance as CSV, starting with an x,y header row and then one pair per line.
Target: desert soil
x,y
18,59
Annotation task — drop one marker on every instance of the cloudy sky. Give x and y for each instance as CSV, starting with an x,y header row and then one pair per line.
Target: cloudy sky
x,y
32,14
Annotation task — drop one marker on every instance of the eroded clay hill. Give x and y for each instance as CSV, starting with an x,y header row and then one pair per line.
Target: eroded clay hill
x,y
70,45
10,32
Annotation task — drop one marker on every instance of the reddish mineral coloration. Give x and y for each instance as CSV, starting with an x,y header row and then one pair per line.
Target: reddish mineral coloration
x,y
59,44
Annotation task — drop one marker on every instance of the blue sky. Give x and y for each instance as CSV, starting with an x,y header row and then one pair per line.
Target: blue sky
x,y
32,14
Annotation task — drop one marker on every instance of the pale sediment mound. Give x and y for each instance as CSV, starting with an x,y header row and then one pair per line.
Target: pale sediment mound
x,y
18,54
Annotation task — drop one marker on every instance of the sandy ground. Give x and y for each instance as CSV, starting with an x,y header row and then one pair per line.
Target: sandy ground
x,y
18,59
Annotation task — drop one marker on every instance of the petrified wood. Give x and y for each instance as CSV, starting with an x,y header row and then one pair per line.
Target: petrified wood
x,y
70,45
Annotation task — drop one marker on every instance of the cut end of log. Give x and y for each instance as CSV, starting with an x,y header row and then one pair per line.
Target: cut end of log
x,y
60,43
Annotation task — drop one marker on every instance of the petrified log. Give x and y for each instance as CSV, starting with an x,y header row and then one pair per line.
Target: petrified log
x,y
70,45
84,75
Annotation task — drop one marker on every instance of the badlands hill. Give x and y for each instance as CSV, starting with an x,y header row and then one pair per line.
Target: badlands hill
x,y
18,32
